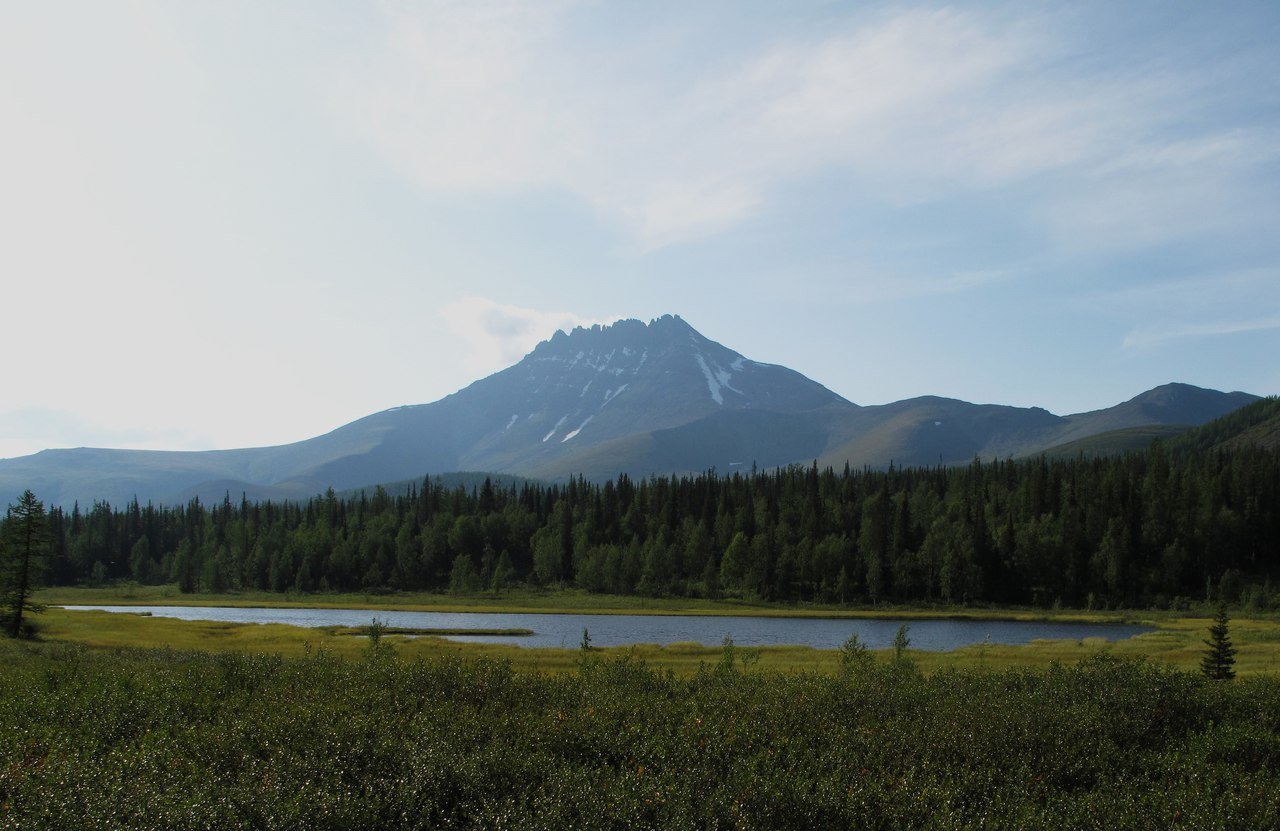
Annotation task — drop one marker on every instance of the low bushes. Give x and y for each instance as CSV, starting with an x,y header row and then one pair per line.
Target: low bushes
x,y
160,739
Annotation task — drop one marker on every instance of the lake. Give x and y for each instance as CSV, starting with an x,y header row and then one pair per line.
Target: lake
x,y
565,630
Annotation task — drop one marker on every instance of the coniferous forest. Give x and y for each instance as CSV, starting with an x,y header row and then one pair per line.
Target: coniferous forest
x,y
1162,529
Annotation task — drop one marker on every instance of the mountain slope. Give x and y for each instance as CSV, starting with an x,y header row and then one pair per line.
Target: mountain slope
x,y
1116,442
632,398
1256,425
572,394
932,430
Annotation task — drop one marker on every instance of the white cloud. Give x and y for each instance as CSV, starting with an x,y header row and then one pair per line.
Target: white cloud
x,y
456,98
915,102
672,212
497,334
497,98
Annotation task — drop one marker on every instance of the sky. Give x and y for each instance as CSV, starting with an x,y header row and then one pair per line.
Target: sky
x,y
239,224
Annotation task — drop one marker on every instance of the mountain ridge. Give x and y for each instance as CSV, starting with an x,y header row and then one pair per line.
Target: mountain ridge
x,y
632,397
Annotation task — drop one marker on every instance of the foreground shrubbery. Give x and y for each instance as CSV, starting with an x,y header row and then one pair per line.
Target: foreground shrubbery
x,y
153,739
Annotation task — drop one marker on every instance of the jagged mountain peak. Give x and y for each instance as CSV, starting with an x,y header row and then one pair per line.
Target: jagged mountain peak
x,y
596,383
628,331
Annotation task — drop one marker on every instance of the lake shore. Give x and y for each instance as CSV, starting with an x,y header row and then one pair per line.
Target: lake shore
x,y
1176,641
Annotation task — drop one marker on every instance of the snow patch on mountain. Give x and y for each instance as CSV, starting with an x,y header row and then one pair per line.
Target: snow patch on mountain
x,y
724,378
573,433
713,383
609,395
559,424
717,378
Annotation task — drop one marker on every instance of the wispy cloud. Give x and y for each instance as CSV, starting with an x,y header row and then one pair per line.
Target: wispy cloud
x,y
1199,306
1147,336
497,335
916,102
869,285
1219,292
498,97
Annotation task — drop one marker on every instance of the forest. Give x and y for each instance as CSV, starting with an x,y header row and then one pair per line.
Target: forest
x,y
1176,525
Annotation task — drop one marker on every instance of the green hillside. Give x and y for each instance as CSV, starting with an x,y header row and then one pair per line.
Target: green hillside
x,y
1116,442
1257,425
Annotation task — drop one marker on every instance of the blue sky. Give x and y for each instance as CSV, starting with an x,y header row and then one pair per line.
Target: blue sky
x,y
234,224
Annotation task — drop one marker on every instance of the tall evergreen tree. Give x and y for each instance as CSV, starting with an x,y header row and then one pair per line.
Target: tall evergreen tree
x,y
1219,658
23,546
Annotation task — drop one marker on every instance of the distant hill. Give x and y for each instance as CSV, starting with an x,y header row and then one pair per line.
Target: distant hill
x,y
636,398
1254,425
1257,425
1116,442
1166,404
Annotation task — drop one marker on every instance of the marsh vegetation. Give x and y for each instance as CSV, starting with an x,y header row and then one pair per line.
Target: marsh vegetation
x,y
173,739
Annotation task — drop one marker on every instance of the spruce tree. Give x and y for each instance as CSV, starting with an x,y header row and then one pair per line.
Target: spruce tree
x,y
23,546
1220,656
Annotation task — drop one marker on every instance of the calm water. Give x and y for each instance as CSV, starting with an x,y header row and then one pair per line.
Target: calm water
x,y
565,630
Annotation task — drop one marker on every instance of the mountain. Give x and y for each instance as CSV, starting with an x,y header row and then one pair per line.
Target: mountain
x,y
631,397
1255,425
1169,404
932,431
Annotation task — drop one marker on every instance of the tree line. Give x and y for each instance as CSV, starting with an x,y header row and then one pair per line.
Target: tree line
x,y
1160,528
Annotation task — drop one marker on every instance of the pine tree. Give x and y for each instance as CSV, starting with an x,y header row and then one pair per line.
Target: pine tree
x,y
23,546
1220,656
